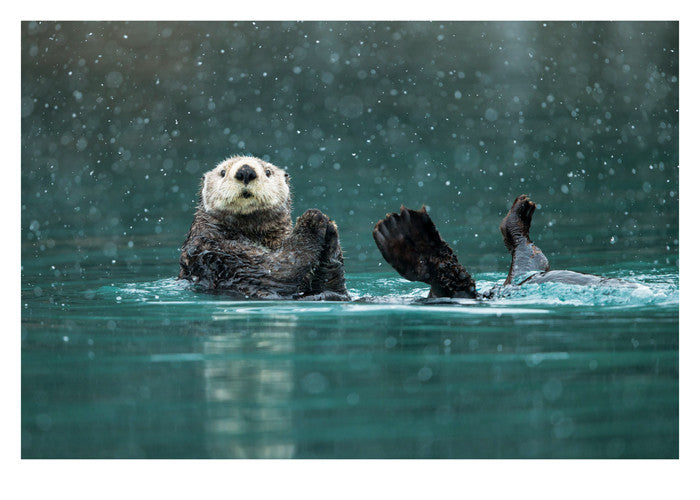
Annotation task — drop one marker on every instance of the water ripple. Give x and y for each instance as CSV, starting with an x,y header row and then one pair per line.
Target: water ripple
x,y
374,293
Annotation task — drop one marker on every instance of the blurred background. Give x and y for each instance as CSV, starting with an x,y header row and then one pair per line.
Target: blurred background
x,y
120,120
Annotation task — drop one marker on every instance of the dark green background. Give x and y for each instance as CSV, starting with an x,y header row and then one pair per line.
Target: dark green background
x,y
119,120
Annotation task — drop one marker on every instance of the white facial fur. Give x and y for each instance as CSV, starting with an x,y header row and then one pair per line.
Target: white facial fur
x,y
269,188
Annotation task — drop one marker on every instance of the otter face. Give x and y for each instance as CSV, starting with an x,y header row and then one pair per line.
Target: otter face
x,y
244,184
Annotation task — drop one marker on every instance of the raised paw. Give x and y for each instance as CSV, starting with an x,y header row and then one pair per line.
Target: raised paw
x,y
409,228
331,234
313,216
393,236
409,241
515,226
315,224
524,208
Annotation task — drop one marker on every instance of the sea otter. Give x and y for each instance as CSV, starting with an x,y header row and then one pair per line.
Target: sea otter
x,y
410,242
242,241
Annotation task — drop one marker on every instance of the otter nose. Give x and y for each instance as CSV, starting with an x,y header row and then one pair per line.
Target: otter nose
x,y
245,174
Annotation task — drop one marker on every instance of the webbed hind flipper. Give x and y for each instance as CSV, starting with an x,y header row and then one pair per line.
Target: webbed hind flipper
x,y
411,243
515,228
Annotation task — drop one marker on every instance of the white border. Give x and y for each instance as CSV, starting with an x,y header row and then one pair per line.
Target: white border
x,y
341,478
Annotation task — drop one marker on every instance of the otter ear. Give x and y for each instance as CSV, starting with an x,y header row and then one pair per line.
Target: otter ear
x,y
286,178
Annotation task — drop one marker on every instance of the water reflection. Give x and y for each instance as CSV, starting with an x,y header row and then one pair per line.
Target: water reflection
x,y
417,383
153,369
171,378
248,399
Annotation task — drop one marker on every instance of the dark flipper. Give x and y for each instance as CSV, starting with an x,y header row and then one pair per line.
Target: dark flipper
x,y
515,227
412,245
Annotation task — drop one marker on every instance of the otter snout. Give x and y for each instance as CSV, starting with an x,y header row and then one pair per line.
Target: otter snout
x,y
245,174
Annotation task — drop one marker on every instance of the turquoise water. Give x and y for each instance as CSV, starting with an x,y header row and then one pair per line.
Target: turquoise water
x,y
119,122
154,369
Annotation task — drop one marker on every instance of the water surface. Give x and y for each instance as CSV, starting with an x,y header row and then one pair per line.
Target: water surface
x,y
154,369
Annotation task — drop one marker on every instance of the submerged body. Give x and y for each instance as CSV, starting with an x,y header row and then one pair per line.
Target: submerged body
x,y
242,240
574,278
410,242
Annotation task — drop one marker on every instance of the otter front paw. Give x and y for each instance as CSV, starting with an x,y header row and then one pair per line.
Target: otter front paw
x,y
316,226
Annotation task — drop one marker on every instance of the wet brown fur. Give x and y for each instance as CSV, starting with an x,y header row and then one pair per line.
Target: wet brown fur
x,y
261,255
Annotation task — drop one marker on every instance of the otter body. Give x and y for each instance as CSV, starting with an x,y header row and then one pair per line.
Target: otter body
x,y
242,240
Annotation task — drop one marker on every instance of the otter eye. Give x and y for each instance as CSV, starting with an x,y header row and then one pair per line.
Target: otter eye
x,y
222,173
268,172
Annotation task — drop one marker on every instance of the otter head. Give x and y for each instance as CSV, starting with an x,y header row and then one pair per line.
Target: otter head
x,y
243,185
